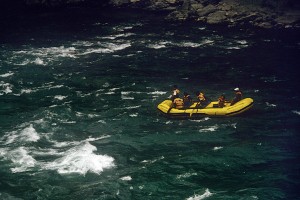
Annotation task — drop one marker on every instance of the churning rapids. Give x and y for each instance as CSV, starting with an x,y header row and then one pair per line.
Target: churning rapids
x,y
78,118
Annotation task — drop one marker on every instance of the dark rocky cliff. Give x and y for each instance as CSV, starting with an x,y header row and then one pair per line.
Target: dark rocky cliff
x,y
257,13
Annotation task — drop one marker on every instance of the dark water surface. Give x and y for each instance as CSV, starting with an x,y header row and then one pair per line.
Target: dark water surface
x,y
78,118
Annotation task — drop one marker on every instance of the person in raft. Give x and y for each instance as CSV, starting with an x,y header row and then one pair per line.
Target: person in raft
x,y
221,101
175,93
238,96
187,100
203,102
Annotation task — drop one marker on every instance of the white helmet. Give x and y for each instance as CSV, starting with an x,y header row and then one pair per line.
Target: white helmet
x,y
237,89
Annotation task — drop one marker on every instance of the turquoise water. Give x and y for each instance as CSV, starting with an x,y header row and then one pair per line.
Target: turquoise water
x,y
78,117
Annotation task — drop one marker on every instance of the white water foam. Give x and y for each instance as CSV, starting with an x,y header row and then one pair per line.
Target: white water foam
x,y
229,125
76,143
26,91
28,134
200,120
83,43
122,28
98,50
186,175
39,61
156,46
271,79
154,160
189,44
270,104
124,95
296,112
44,56
206,194
56,51
109,93
6,88
92,115
133,115
121,35
157,93
217,148
237,44
234,47
159,45
126,178
243,42
106,84
209,129
60,97
21,159
130,92
117,47
81,159
6,74
132,107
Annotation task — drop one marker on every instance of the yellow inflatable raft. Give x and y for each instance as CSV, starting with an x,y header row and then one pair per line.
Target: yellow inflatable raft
x,y
212,109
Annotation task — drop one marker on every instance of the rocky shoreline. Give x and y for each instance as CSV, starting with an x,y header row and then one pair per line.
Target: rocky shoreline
x,y
266,14
256,13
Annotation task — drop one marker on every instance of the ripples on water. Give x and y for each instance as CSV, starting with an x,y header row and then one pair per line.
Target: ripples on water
x,y
78,112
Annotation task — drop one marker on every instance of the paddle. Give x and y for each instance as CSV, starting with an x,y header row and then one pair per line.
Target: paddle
x,y
198,102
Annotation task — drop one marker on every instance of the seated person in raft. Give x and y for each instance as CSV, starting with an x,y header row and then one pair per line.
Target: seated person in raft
x,y
238,96
202,100
183,103
175,93
178,103
221,101
187,100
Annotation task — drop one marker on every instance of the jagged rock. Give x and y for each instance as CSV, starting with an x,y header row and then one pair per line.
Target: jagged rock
x,y
206,10
196,6
118,2
265,25
288,18
201,19
171,1
224,7
216,17
247,18
177,16
166,5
